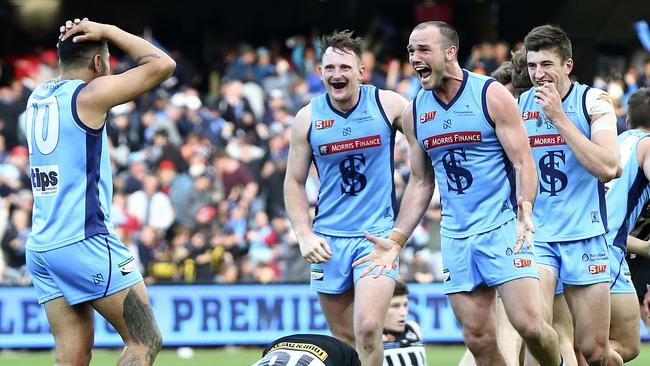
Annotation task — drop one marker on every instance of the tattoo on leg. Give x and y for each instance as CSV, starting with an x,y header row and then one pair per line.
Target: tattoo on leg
x,y
130,361
141,324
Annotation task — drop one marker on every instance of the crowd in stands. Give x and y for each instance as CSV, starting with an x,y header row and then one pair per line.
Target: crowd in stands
x,y
198,177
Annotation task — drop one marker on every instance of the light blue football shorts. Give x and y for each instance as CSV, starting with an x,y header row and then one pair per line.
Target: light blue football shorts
x,y
89,269
578,262
621,282
337,274
485,259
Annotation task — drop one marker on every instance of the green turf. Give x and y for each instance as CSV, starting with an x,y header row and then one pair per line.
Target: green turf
x,y
234,356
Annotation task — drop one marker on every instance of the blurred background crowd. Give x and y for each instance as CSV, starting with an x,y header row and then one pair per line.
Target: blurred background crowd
x,y
199,163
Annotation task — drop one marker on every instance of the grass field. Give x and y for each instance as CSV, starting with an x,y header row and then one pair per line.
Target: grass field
x,y
235,356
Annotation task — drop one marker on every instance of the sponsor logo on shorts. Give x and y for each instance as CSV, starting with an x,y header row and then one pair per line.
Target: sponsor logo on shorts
x,y
591,257
522,262
97,278
509,251
45,180
317,274
446,276
127,266
595,216
597,268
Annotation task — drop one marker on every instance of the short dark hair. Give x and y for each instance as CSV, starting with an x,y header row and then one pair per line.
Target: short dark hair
x,y
75,55
638,109
447,32
342,40
549,37
400,289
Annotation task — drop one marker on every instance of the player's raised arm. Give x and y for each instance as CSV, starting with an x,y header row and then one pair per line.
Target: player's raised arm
x,y
106,91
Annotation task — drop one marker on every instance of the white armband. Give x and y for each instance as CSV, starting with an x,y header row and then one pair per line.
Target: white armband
x,y
599,105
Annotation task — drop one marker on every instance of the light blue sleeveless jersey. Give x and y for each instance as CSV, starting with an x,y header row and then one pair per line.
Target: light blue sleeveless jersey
x,y
353,153
475,177
570,202
70,169
627,195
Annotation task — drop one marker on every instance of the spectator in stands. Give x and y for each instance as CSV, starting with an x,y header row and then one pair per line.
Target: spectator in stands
x,y
151,206
178,185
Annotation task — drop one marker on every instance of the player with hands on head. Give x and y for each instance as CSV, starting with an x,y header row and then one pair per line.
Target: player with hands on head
x,y
76,260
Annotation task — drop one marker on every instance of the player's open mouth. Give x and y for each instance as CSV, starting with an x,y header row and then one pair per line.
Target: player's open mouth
x,y
423,71
339,85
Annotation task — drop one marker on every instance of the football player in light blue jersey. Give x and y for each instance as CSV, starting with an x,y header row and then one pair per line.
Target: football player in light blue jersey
x,y
485,129
626,198
572,133
348,133
77,262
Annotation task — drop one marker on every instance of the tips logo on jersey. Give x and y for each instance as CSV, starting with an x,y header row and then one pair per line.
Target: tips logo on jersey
x,y
45,180
427,116
322,124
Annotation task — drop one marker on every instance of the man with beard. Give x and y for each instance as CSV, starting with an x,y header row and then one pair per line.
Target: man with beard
x,y
466,129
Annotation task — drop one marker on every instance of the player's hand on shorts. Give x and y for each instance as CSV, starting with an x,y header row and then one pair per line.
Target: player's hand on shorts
x,y
315,249
525,227
383,256
91,31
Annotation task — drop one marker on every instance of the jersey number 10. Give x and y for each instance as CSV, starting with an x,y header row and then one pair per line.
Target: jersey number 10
x,y
42,123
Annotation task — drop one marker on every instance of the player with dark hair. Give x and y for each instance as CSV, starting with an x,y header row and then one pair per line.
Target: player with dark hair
x,y
572,133
77,262
402,338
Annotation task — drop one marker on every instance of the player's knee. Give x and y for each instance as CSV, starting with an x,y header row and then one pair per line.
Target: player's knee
x,y
480,343
628,351
529,331
594,353
367,331
77,357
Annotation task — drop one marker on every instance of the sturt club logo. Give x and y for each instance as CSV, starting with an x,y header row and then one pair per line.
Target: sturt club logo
x,y
459,179
353,181
552,180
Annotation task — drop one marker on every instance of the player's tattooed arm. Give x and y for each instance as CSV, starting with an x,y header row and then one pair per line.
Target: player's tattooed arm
x,y
146,56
